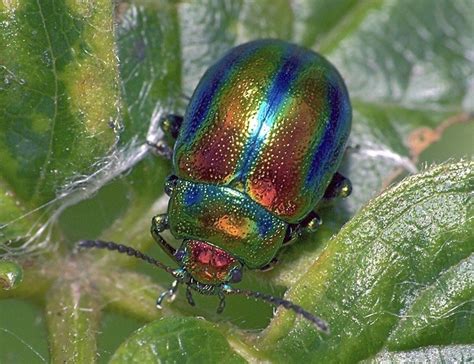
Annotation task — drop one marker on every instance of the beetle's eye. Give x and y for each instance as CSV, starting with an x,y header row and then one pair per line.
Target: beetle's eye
x,y
236,275
179,255
170,183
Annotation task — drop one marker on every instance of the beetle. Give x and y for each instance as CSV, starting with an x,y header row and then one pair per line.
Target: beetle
x,y
259,146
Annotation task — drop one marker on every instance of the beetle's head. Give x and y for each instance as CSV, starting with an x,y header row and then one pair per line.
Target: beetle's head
x,y
208,264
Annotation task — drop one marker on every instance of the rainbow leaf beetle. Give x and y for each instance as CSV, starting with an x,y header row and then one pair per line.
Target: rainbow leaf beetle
x,y
259,146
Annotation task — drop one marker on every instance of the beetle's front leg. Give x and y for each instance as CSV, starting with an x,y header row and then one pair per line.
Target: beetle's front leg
x,y
221,306
170,124
339,186
189,296
171,293
159,223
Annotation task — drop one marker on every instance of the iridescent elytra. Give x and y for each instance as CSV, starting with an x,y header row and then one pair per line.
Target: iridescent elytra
x,y
258,147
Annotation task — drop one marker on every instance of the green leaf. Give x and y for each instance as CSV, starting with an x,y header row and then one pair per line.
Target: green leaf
x,y
370,273
451,354
407,61
11,209
57,116
404,74
150,63
445,306
395,278
174,340
150,69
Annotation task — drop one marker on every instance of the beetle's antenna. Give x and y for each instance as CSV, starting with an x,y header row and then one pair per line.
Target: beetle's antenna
x,y
99,244
320,324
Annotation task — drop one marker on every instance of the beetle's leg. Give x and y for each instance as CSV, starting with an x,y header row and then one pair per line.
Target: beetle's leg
x,y
171,293
170,184
189,296
161,149
292,233
221,306
184,96
170,124
309,224
270,265
159,223
339,186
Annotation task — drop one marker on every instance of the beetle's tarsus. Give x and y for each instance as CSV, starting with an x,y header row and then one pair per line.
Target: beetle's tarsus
x,y
160,299
161,149
221,306
310,224
170,293
170,124
170,184
189,296
339,186
159,223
